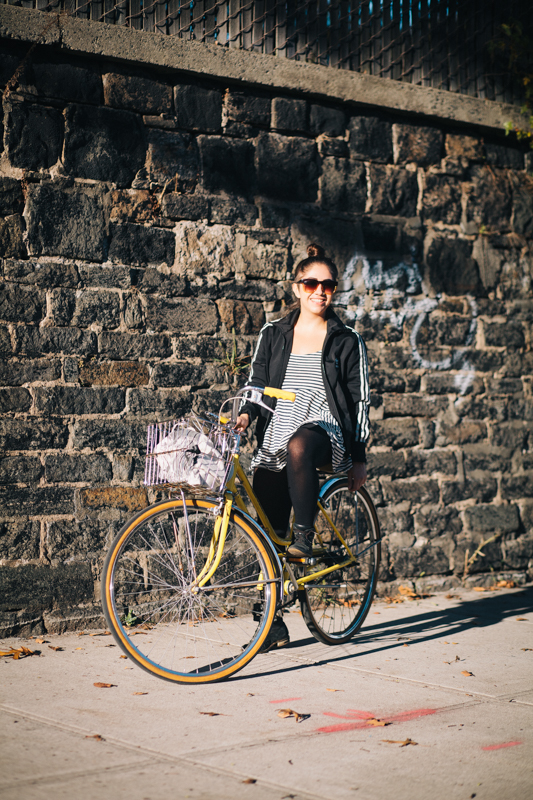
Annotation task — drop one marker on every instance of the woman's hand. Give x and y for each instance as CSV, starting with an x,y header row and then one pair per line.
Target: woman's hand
x,y
356,476
243,420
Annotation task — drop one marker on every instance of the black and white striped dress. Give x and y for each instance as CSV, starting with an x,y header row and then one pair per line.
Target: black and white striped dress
x,y
304,377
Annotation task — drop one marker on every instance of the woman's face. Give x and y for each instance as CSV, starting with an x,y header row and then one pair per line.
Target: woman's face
x,y
318,301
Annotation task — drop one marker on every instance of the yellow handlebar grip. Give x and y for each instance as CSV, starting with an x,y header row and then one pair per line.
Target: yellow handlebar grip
x,y
280,394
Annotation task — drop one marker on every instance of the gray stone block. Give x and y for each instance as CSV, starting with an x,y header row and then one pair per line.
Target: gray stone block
x,y
198,109
36,341
492,518
420,491
35,588
370,139
395,432
417,143
459,146
499,155
32,136
441,201
337,148
65,223
172,160
115,434
16,501
137,245
411,405
392,464
289,115
246,108
102,307
451,268
232,212
506,334
113,373
65,468
241,317
261,290
489,198
65,537
5,342
181,315
79,401
126,346
106,277
522,220
481,489
133,312
11,198
20,539
326,120
27,434
286,167
517,553
20,469
207,348
41,273
169,375
432,559
433,521
21,303
343,185
517,486
427,462
159,403
227,164
62,302
394,191
12,237
76,84
15,400
103,144
15,372
185,206
150,281
136,94
273,216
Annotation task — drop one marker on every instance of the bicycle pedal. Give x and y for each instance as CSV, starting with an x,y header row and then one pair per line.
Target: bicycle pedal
x,y
295,560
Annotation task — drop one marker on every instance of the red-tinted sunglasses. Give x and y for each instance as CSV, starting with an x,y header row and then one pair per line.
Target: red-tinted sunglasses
x,y
311,285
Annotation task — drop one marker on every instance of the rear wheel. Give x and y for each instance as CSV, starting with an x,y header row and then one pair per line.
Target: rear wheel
x,y
159,615
335,605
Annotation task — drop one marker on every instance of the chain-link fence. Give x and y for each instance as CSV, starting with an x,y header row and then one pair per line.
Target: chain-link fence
x,y
445,44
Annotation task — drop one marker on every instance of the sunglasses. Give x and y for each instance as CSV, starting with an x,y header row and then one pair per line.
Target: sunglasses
x,y
311,285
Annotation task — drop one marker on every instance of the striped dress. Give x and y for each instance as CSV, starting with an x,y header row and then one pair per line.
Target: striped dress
x,y
304,377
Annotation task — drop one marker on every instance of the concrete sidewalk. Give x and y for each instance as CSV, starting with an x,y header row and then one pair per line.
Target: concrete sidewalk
x,y
453,675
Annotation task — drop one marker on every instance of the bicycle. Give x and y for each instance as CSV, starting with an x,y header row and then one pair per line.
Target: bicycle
x,y
192,583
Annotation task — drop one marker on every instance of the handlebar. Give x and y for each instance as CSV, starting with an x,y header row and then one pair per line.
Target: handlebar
x,y
254,395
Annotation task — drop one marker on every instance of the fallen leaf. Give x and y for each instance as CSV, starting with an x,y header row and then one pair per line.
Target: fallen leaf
x,y
105,633
81,648
505,585
377,612
288,712
467,674
249,780
479,589
521,619
377,723
250,694
334,690
139,692
403,743
210,713
19,652
104,685
41,641
97,737
406,591
59,649
457,658
120,656
405,645
527,648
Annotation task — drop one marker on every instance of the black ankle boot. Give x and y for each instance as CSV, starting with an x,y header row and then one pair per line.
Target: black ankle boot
x,y
302,545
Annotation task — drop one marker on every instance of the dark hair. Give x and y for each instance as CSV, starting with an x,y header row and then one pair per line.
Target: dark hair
x,y
315,255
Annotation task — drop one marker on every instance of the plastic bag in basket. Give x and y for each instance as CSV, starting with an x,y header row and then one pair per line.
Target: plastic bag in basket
x,y
188,456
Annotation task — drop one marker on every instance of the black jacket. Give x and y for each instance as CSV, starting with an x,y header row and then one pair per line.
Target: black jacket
x,y
344,369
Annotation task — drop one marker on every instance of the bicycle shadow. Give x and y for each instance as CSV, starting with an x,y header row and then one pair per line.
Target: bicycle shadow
x,y
426,626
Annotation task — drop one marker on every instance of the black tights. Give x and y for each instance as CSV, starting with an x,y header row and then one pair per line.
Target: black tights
x,y
296,486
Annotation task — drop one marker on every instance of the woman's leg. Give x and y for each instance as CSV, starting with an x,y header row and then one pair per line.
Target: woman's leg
x,y
308,449
272,491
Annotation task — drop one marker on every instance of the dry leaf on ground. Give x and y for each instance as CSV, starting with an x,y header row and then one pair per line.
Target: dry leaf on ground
x,y
59,649
19,652
41,641
249,780
467,674
100,685
139,692
377,723
210,714
527,648
97,737
288,712
521,619
334,690
504,585
403,743
479,589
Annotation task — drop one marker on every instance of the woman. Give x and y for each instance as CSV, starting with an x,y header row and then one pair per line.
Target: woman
x,y
312,353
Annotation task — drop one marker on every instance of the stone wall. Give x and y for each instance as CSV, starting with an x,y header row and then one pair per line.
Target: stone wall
x,y
145,215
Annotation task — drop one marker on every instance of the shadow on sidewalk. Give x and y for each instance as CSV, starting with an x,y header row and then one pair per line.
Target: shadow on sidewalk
x,y
421,627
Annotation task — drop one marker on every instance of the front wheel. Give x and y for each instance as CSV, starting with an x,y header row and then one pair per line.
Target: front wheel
x,y
334,605
169,620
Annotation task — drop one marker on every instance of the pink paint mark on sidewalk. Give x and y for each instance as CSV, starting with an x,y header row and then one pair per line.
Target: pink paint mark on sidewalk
x,y
285,700
500,746
404,716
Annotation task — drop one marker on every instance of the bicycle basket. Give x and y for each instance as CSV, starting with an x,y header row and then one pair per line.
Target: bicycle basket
x,y
191,454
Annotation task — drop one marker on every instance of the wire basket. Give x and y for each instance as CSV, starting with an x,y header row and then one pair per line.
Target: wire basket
x,y
192,454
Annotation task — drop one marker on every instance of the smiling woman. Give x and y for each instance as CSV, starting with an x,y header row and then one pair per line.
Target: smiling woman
x,y
312,353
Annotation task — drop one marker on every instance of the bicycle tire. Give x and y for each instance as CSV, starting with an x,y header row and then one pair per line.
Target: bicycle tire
x,y
336,606
160,620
